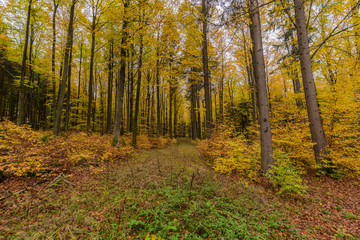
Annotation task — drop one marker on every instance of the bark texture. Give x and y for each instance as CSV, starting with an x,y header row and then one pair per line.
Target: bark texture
x,y
69,41
22,95
260,80
316,127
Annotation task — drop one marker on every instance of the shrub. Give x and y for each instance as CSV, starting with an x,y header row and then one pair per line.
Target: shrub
x,y
231,154
285,177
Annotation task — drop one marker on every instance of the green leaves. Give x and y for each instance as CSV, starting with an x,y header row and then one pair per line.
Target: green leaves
x,y
285,177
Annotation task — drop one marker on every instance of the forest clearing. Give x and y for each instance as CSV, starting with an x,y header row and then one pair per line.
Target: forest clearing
x,y
189,119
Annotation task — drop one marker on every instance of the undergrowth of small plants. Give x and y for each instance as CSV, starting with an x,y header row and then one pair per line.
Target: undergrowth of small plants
x,y
139,202
27,153
229,152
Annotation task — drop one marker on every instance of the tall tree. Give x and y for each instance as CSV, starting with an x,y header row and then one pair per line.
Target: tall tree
x,y
316,127
53,57
110,85
66,64
205,61
121,85
260,79
22,94
138,88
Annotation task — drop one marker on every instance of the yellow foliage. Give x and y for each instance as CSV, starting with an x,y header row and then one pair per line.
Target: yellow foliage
x,y
26,152
231,154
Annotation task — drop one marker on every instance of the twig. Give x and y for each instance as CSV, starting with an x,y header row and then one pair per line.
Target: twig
x,y
53,181
62,177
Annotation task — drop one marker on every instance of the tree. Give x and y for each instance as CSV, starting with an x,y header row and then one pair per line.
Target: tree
x,y
316,127
69,42
260,79
205,59
22,94
121,85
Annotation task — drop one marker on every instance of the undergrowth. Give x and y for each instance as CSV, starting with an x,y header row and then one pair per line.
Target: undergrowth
x,y
178,204
25,152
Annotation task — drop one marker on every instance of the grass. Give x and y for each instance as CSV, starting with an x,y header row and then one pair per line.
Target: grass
x,y
166,193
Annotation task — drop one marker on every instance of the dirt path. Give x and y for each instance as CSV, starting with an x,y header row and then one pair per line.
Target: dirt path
x,y
157,194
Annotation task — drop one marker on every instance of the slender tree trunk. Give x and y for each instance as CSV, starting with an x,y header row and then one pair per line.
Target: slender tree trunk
x,y
110,86
148,103
91,80
93,110
260,78
102,107
295,76
316,127
53,55
30,99
193,109
209,121
128,119
79,83
68,96
131,89
356,23
250,75
22,94
152,117
138,88
122,76
175,112
199,133
69,41
170,110
221,92
158,119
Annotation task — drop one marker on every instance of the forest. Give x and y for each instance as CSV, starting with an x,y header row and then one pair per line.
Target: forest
x,y
189,119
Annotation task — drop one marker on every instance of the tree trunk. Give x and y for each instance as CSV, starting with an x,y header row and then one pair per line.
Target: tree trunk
x,y
91,80
22,94
209,122
68,96
131,113
30,98
170,110
193,109
316,127
175,112
260,79
110,87
148,103
158,119
53,55
122,76
199,130
221,92
79,83
138,88
295,76
69,41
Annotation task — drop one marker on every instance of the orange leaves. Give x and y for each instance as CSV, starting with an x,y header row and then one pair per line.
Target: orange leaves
x,y
24,152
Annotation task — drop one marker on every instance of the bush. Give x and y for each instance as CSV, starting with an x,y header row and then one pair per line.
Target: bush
x,y
231,154
25,152
285,177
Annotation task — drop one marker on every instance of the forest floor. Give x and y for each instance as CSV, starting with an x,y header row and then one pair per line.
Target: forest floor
x,y
171,193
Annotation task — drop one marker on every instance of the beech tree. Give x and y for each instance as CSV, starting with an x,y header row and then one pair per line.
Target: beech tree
x,y
66,64
121,85
22,93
